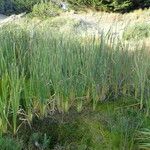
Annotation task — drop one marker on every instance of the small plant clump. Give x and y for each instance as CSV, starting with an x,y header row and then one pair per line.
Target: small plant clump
x,y
10,144
48,9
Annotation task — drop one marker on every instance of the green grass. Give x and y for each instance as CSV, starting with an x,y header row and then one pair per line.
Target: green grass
x,y
137,32
7,143
43,71
44,10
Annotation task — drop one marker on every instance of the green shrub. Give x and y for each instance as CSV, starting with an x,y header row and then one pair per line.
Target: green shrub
x,y
112,5
46,10
120,5
17,6
1,3
24,5
5,6
139,31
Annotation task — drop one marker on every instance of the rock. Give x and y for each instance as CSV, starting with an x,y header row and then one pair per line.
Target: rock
x,y
64,6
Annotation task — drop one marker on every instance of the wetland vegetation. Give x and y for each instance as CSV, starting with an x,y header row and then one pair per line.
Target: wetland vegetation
x,y
63,90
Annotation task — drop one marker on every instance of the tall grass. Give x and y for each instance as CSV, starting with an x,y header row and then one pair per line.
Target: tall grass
x,y
41,71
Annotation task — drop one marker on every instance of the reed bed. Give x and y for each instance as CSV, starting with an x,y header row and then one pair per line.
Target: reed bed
x,y
42,71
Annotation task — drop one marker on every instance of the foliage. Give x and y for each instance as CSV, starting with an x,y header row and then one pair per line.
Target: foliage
x,y
46,10
143,139
105,5
9,144
112,5
39,141
5,6
11,6
138,31
24,5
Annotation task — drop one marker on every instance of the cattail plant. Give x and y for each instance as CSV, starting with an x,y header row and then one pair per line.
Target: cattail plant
x,y
43,71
